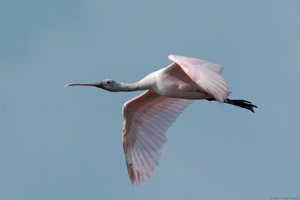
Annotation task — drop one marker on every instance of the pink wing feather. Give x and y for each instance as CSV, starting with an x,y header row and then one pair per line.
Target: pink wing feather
x,y
205,74
146,119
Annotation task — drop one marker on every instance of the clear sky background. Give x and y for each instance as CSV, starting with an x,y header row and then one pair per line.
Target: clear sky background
x,y
65,143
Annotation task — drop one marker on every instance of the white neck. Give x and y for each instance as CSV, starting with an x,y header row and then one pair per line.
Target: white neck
x,y
144,84
128,87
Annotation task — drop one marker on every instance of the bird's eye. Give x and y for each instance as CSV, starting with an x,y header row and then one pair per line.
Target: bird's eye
x,y
108,82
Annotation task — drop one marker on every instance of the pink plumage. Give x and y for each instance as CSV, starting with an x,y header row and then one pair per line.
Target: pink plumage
x,y
146,119
169,91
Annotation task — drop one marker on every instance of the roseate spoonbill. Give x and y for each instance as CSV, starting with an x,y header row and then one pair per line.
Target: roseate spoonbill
x,y
169,91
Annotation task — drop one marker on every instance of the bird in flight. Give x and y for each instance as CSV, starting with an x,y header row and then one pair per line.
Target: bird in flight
x,y
168,92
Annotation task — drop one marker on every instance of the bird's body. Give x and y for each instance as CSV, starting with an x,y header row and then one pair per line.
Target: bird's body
x,y
170,82
169,91
173,82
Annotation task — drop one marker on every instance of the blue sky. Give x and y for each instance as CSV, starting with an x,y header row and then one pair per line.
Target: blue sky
x,y
65,143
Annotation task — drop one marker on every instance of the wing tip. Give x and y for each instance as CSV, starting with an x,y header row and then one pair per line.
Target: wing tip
x,y
133,178
175,58
172,57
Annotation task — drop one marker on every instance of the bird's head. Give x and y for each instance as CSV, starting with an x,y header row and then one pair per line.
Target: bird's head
x,y
107,84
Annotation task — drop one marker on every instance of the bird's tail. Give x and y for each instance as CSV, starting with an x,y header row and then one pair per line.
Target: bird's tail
x,y
242,103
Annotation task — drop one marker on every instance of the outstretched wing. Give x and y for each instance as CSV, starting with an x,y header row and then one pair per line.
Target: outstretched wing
x,y
146,119
205,74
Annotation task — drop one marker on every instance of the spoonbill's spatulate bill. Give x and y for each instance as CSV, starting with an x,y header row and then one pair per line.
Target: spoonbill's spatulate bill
x,y
169,91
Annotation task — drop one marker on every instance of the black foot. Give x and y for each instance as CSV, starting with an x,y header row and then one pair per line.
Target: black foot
x,y
242,103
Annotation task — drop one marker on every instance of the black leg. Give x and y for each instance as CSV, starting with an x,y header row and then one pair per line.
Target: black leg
x,y
240,103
